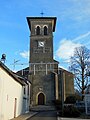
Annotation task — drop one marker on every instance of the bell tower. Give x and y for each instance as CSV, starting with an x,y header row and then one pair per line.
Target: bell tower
x,y
41,38
42,66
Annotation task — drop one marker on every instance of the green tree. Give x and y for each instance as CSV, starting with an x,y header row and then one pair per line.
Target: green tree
x,y
80,64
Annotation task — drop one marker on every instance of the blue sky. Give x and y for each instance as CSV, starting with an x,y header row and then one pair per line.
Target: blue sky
x,y
72,28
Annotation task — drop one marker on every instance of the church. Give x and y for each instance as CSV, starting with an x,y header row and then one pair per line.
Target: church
x,y
48,81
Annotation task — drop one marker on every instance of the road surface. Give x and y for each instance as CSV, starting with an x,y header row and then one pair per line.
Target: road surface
x,y
48,115
71,119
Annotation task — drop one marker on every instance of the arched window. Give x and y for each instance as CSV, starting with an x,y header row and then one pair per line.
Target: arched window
x,y
45,30
38,30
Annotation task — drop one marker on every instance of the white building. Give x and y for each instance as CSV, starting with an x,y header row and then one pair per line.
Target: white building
x,y
14,94
87,100
87,103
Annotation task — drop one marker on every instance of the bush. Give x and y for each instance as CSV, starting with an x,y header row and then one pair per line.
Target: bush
x,y
71,111
70,100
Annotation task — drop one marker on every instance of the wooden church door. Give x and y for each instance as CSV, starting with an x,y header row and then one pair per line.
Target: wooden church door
x,y
41,99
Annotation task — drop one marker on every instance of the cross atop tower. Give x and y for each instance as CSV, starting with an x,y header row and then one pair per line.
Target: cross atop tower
x,y
42,13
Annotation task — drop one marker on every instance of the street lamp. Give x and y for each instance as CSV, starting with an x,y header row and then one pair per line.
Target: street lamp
x,y
3,57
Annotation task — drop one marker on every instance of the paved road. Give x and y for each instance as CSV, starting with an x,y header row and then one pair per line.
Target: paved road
x,y
49,115
71,119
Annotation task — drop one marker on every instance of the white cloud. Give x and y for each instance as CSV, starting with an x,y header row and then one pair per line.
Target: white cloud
x,y
66,49
25,54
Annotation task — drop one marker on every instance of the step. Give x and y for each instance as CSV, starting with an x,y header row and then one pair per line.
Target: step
x,y
42,108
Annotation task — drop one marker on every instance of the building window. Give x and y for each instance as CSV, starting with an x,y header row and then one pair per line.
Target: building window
x,y
45,30
28,89
38,30
24,90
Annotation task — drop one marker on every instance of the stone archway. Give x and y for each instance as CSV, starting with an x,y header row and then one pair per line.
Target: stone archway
x,y
41,99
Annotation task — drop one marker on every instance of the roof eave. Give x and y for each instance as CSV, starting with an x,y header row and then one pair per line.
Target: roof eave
x,y
30,18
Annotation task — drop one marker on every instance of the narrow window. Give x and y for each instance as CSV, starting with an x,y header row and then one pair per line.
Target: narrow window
x,y
15,107
38,30
28,89
24,91
45,30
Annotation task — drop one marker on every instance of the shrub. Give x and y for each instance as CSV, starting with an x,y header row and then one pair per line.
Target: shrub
x,y
71,111
70,100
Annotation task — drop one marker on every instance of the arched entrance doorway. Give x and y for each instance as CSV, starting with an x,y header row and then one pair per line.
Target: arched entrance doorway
x,y
41,99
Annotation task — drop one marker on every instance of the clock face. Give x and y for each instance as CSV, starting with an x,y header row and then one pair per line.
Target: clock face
x,y
40,44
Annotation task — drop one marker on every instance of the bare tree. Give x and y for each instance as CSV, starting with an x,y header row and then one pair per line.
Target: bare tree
x,y
80,63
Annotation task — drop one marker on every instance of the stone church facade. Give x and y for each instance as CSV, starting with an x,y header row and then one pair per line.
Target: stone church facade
x,y
43,69
48,81
42,65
